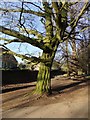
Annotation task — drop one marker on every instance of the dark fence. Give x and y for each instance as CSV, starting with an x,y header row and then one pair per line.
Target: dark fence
x,y
23,76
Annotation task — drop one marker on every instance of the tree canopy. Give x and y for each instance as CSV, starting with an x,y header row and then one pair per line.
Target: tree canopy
x,y
24,21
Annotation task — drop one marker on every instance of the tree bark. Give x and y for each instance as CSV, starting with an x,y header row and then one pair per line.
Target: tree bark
x,y
67,59
44,76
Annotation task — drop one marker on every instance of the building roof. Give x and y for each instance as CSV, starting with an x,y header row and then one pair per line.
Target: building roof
x,y
7,59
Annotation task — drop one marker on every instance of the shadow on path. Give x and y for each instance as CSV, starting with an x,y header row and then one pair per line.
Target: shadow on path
x,y
60,88
16,88
57,89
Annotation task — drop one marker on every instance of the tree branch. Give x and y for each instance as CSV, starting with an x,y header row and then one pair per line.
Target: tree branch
x,y
24,11
75,22
8,41
32,3
23,38
31,59
33,32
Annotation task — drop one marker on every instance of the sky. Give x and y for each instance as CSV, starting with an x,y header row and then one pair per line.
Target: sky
x,y
23,48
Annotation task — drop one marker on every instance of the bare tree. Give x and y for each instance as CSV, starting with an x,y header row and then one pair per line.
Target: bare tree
x,y
53,17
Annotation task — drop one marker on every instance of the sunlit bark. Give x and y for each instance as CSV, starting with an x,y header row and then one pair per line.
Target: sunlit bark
x,y
55,23
44,76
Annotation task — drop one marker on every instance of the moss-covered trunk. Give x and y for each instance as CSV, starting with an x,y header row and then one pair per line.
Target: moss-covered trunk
x,y
44,76
43,79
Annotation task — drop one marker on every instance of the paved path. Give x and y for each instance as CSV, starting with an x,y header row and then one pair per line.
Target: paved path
x,y
73,105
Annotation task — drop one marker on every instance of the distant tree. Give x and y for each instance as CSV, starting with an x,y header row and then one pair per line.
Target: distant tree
x,y
83,46
84,56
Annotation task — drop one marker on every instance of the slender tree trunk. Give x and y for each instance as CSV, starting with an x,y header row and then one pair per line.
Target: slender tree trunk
x,y
44,76
74,62
74,57
88,60
67,59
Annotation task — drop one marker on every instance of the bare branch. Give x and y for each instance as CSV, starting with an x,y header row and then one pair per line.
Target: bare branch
x,y
30,59
74,22
82,30
35,6
33,32
24,11
8,41
23,38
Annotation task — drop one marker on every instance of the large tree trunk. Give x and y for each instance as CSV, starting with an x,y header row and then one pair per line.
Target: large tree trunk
x,y
44,76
